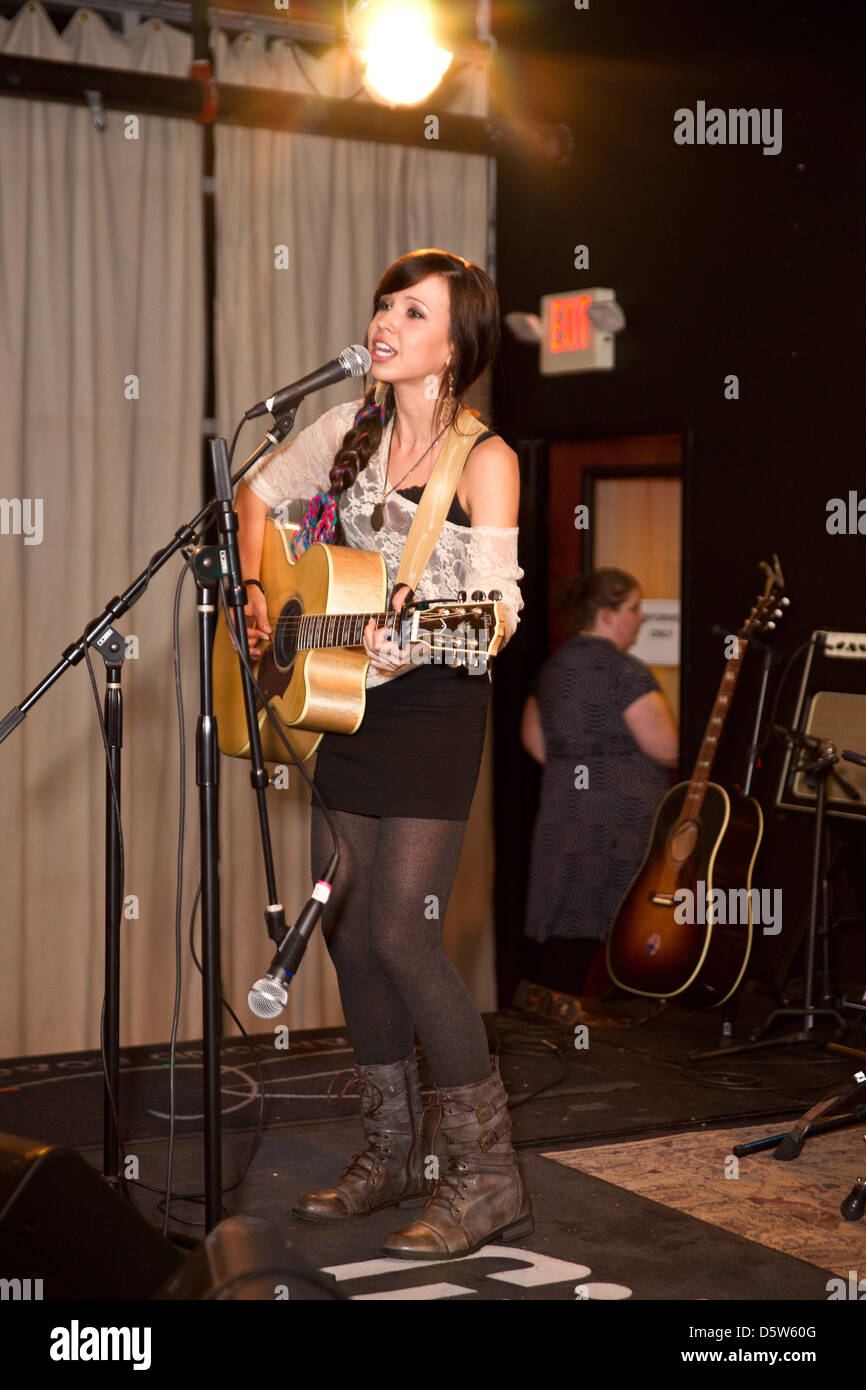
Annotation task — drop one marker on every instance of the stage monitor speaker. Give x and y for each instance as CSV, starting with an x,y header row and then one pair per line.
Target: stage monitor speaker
x,y
61,1223
244,1259
836,660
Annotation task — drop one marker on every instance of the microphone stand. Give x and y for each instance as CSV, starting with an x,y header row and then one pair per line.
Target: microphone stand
x,y
770,658
112,652
822,757
209,563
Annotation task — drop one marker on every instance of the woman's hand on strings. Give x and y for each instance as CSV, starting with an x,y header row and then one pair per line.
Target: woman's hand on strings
x,y
382,648
259,629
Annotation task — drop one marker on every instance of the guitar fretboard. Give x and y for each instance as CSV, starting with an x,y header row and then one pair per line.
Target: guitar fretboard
x,y
313,630
704,764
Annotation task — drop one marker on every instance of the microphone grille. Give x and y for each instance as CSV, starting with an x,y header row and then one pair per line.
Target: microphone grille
x,y
267,998
356,359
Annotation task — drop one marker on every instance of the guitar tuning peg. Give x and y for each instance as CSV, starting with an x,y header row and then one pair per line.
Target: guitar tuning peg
x,y
785,602
777,612
495,595
770,627
477,595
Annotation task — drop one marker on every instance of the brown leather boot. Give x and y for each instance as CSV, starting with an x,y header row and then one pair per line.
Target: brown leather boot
x,y
482,1196
389,1172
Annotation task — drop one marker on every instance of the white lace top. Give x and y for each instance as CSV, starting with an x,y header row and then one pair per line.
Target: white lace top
x,y
464,557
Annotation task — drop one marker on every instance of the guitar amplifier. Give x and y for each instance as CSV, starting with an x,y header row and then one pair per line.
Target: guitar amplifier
x,y
836,660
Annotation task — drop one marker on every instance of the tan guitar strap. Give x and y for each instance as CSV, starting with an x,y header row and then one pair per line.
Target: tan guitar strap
x,y
437,497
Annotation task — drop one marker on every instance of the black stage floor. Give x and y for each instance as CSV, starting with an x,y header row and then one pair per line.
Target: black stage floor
x,y
632,1077
593,1239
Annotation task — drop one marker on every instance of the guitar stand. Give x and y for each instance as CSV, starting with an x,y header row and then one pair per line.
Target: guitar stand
x,y
822,760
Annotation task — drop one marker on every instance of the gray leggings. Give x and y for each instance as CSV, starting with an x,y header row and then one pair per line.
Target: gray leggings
x,y
383,929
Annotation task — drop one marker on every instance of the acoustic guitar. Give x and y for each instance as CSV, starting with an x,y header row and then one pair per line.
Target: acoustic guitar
x,y
673,933
313,670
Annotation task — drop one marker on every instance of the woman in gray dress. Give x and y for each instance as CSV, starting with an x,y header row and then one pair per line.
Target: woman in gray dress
x,y
598,723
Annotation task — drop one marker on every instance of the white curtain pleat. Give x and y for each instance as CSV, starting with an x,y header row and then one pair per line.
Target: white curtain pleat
x,y
101,385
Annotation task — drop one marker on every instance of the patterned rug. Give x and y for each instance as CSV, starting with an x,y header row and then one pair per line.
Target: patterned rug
x,y
789,1206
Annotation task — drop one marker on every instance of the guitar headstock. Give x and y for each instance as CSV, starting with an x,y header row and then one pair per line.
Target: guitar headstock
x,y
466,632
771,604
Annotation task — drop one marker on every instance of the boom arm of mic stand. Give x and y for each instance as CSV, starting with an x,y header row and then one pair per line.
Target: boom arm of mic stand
x,y
120,604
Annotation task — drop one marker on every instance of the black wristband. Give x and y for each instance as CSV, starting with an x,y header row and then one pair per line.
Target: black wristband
x,y
254,581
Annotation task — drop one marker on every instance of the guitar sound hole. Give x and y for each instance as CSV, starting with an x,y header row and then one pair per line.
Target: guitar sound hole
x,y
683,841
286,635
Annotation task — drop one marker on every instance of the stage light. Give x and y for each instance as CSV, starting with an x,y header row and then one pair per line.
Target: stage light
x,y
393,40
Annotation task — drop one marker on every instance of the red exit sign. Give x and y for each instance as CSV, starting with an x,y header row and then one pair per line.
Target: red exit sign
x,y
570,341
569,323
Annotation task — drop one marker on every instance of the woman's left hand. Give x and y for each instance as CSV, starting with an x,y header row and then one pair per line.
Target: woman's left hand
x,y
384,651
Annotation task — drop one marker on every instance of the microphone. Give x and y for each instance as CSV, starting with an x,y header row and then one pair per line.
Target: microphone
x,y
353,361
269,996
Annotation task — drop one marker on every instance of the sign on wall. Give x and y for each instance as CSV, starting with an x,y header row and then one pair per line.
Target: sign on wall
x,y
658,642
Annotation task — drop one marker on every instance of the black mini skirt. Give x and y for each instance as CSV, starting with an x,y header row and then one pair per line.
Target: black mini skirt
x,y
417,751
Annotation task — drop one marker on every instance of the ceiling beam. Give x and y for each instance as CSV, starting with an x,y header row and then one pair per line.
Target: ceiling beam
x,y
265,108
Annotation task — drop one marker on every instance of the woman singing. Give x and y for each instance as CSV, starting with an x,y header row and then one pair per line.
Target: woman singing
x,y
400,788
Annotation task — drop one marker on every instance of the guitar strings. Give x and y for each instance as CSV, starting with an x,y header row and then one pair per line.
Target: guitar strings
x,y
291,624
295,619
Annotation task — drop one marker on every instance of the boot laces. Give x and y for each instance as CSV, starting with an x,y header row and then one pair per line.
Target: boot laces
x,y
376,1149
448,1189
366,1087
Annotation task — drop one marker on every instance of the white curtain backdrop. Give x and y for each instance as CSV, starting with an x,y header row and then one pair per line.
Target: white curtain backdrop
x,y
100,283
343,210
102,360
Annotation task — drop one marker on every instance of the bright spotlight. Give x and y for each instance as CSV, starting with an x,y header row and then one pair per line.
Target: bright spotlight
x,y
403,64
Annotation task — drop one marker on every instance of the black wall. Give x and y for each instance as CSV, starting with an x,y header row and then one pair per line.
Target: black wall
x,y
725,260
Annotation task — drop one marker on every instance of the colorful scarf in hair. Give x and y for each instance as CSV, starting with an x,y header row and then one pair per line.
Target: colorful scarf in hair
x,y
322,514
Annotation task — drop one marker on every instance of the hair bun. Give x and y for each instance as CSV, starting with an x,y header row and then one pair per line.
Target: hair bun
x,y
584,595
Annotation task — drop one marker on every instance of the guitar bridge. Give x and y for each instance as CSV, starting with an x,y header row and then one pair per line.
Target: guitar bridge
x,y
662,899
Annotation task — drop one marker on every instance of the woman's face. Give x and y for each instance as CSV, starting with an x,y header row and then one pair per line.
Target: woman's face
x,y
416,324
624,623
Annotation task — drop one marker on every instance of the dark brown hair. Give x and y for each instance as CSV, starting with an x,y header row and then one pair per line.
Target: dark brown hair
x,y
583,596
475,333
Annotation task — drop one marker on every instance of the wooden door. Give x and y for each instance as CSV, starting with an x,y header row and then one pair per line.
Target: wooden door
x,y
637,527
633,492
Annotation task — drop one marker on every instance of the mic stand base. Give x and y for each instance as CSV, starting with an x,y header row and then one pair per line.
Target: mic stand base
x,y
757,1040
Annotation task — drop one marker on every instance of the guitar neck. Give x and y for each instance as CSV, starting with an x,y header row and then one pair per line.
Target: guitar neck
x,y
316,630
706,757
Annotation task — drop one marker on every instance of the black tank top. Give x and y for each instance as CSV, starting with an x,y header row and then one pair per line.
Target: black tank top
x,y
456,514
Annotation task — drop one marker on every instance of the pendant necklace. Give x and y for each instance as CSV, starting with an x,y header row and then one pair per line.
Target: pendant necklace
x,y
377,516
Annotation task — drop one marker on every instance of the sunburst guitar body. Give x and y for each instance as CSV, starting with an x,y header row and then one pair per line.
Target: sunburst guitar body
x,y
668,939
